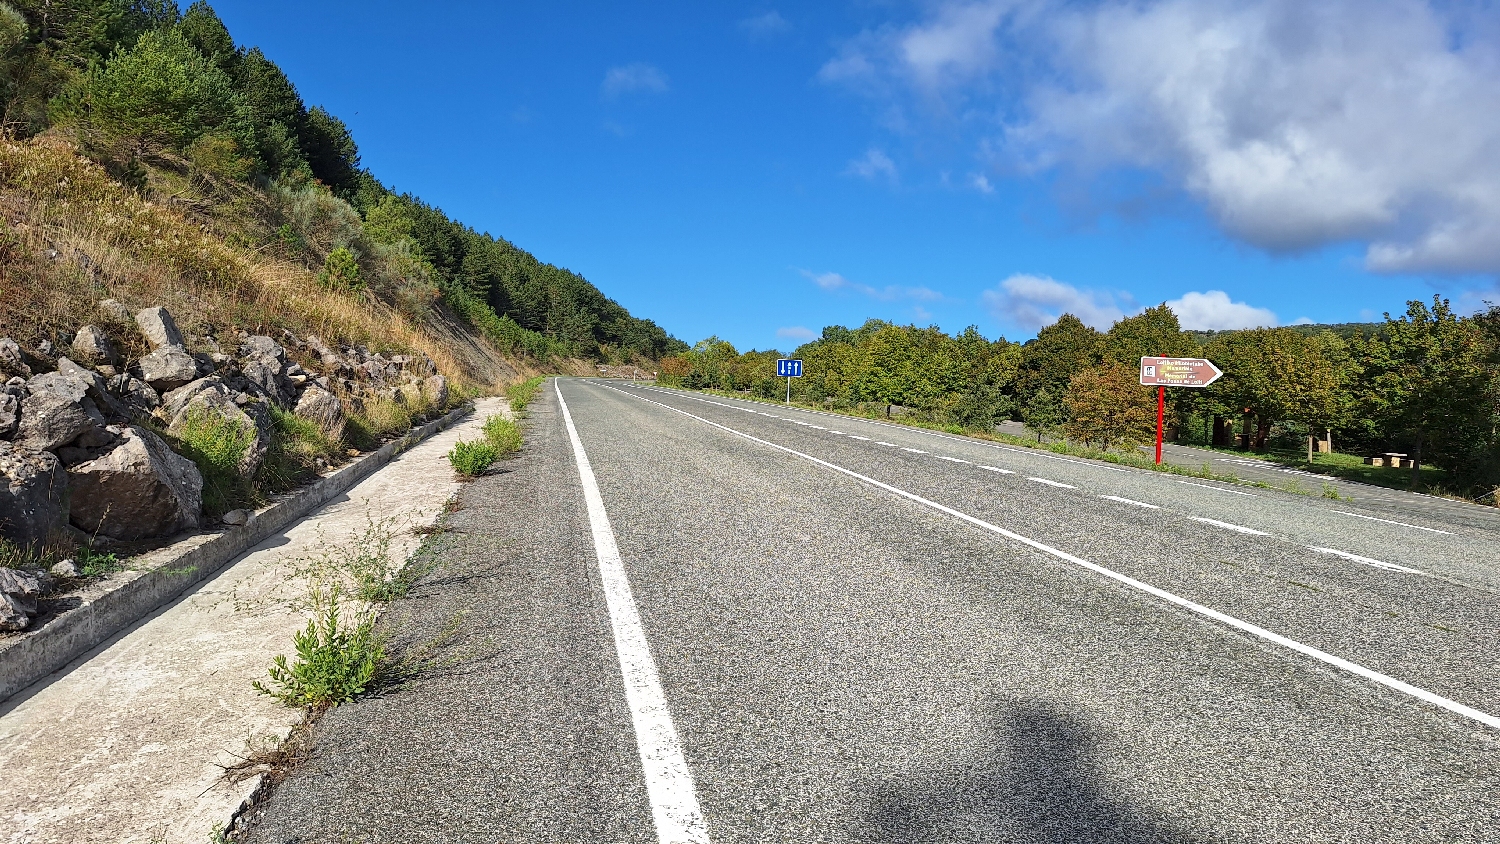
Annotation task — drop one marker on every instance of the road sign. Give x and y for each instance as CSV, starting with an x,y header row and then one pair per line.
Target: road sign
x,y
1178,372
788,368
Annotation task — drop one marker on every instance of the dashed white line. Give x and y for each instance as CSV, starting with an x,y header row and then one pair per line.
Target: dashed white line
x,y
669,783
1366,560
1389,522
1227,526
1052,483
913,450
950,459
857,437
1221,489
998,469
887,445
1131,503
840,433
1227,620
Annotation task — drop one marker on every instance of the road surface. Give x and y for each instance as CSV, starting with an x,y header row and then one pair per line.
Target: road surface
x,y
734,622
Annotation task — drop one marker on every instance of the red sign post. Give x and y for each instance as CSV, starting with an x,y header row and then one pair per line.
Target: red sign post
x,y
1162,373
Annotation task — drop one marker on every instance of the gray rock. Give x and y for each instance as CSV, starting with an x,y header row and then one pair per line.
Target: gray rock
x,y
134,393
236,517
96,388
12,361
323,409
115,311
46,349
19,591
67,568
209,397
15,386
10,414
92,346
168,368
138,490
264,365
436,388
60,384
33,496
49,420
158,327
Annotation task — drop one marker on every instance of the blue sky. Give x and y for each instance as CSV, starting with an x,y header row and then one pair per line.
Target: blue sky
x,y
759,171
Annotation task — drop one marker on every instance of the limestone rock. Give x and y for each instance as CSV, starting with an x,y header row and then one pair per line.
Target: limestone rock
x,y
236,517
159,329
19,591
95,388
50,420
210,397
67,568
138,490
115,311
436,387
93,346
33,496
168,368
10,414
12,362
323,409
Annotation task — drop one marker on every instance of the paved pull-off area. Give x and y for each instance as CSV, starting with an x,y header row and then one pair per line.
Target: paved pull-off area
x,y
681,618
129,742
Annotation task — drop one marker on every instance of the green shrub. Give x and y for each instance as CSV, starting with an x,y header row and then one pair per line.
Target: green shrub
x,y
336,658
218,447
385,417
521,394
472,459
503,434
341,271
294,450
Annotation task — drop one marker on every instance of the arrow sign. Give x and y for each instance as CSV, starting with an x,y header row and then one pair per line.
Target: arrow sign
x,y
1178,372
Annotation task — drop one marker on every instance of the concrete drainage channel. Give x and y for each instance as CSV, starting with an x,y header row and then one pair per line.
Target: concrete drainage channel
x,y
161,576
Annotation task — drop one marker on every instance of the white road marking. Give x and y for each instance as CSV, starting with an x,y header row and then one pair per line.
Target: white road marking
x,y
1177,600
819,427
857,437
950,459
1052,483
888,445
1221,489
1366,560
1389,522
1227,526
840,433
1131,503
997,469
913,450
669,783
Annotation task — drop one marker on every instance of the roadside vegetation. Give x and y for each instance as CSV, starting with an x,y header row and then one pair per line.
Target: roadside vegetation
x,y
502,438
1425,384
521,394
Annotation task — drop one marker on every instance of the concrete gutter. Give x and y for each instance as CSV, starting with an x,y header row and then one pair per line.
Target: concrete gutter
x,y
158,577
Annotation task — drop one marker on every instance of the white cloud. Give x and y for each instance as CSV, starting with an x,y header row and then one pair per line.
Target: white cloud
x,y
834,281
1214,311
796,332
768,24
1294,124
1033,302
1302,320
632,78
873,165
981,183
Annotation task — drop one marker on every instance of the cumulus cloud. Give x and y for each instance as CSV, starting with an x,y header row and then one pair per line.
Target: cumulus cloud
x,y
637,77
1214,311
889,293
796,332
765,25
874,165
981,183
1036,301
1294,124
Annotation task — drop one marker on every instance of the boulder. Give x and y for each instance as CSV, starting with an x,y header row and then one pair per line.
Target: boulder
x,y
92,346
158,327
12,362
49,420
264,365
138,490
114,311
168,368
19,591
95,389
323,409
208,397
136,394
33,496
10,414
436,388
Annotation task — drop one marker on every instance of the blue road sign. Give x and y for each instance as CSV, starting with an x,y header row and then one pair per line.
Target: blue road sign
x,y
788,368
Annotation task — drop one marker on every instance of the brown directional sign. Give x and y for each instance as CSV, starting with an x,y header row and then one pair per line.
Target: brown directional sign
x,y
1178,372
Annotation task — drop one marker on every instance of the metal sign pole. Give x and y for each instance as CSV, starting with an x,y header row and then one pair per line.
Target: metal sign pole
x,y
1161,413
789,389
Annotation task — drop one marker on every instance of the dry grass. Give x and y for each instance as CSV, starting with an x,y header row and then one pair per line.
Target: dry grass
x,y
71,235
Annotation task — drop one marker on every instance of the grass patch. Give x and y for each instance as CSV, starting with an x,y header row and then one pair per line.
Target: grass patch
x,y
336,661
472,459
521,394
1349,467
381,417
503,434
293,453
218,447
93,564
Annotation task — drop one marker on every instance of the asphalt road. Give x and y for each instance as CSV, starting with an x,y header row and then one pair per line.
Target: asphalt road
x,y
862,632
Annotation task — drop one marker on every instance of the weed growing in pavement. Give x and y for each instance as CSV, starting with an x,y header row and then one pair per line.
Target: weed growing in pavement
x,y
1331,491
472,459
93,564
363,566
521,394
503,434
337,656
269,757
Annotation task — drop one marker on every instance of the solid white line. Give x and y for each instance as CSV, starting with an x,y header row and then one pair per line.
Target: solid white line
x,y
1228,620
1389,522
1128,501
995,469
1221,489
1366,560
1227,526
669,783
1052,483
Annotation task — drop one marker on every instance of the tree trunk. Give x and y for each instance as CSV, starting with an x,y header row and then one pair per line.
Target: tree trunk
x,y
1262,432
1220,436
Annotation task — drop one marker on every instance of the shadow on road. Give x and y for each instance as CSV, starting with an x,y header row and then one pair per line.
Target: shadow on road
x,y
1041,789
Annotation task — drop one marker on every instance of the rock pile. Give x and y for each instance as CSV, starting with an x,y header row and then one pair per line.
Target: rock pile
x,y
77,446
